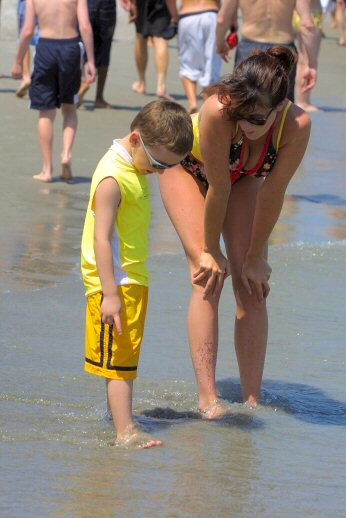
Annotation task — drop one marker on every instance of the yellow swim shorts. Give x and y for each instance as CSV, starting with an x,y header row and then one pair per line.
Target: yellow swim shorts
x,y
108,354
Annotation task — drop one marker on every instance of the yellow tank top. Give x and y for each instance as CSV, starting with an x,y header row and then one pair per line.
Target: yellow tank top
x,y
130,234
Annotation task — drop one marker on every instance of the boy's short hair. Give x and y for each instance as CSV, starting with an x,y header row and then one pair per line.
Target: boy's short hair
x,y
166,123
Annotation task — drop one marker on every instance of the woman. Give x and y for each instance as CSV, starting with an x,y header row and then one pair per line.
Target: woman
x,y
248,142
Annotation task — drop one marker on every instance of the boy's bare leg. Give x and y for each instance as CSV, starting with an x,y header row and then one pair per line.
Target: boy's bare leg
x,y
161,64
24,85
141,59
101,81
70,123
45,138
119,397
190,88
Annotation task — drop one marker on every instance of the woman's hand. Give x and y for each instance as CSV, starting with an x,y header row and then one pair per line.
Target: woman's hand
x,y
110,311
213,269
255,275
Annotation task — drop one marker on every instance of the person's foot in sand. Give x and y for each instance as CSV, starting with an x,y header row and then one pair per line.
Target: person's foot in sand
x,y
134,438
162,94
138,87
84,87
43,176
101,103
193,109
66,172
217,409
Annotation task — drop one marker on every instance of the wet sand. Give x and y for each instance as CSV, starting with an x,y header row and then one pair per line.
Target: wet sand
x,y
287,461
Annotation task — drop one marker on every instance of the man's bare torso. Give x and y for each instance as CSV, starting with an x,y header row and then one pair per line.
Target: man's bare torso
x,y
57,18
267,20
196,6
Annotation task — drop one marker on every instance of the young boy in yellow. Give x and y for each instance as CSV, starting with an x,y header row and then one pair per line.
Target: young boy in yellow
x,y
115,249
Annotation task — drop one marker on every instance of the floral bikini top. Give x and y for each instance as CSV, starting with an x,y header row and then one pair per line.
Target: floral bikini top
x,y
266,161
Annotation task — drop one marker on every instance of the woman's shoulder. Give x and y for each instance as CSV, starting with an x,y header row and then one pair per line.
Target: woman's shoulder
x,y
296,125
214,112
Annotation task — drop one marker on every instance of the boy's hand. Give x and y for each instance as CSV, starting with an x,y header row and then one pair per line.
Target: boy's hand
x,y
110,311
17,71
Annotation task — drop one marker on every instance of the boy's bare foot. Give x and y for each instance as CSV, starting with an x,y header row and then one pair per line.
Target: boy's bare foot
x,y
102,104
84,87
138,87
43,177
66,172
135,438
22,90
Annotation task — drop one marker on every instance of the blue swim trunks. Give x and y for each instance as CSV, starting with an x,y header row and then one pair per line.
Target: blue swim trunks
x,y
57,73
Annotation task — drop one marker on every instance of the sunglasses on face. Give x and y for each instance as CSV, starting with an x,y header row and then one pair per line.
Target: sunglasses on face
x,y
152,161
258,120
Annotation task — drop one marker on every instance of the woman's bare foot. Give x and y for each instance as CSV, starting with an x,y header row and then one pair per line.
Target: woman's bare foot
x,y
43,177
66,172
134,437
138,87
23,88
217,409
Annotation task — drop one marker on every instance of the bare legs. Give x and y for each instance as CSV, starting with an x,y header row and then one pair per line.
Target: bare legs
x,y
70,123
45,138
303,98
190,89
119,397
340,18
141,59
161,64
102,73
251,318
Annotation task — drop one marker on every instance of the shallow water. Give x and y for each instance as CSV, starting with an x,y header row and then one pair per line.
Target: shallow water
x,y
287,459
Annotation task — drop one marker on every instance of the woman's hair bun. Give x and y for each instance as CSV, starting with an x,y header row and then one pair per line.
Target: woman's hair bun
x,y
286,57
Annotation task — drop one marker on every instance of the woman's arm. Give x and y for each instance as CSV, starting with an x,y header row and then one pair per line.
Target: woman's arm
x,y
270,198
215,133
107,199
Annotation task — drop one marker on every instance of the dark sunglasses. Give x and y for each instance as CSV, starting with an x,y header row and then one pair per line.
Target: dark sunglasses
x,y
152,161
258,120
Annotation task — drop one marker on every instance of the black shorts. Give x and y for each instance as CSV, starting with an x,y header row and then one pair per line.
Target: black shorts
x,y
153,17
57,73
103,17
246,48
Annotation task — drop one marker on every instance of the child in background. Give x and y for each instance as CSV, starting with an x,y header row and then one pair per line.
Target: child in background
x,y
115,249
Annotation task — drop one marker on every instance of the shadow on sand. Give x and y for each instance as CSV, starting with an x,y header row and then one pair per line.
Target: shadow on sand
x,y
304,402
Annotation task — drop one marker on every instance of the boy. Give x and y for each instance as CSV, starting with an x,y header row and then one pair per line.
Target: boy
x,y
114,252
56,78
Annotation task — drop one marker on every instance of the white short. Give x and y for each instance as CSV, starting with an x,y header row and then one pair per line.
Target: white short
x,y
198,60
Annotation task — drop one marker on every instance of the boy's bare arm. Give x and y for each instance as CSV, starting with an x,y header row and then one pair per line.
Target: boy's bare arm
x,y
107,199
87,37
25,38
